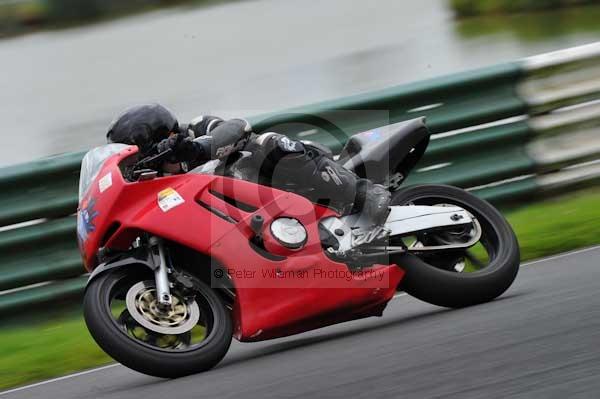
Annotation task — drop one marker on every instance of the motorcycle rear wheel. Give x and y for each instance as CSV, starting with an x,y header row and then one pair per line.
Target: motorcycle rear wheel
x,y
432,281
158,354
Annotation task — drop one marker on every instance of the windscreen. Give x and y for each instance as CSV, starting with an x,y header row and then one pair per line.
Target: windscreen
x,y
92,164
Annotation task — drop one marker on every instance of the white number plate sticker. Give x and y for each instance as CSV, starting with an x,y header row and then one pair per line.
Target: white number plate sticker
x,y
105,182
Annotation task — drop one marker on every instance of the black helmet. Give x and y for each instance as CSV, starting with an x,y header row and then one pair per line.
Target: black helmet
x,y
142,125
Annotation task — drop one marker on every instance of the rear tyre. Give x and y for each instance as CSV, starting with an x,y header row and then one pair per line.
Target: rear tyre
x,y
183,352
432,281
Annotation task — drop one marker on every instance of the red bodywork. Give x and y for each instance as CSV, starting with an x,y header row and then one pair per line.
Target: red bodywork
x,y
266,305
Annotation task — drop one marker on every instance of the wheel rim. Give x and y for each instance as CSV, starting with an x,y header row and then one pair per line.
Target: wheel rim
x,y
174,330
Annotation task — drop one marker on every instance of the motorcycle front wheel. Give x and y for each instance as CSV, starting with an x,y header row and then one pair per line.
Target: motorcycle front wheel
x,y
123,317
458,278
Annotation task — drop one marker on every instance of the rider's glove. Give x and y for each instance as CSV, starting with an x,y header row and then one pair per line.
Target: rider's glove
x,y
184,149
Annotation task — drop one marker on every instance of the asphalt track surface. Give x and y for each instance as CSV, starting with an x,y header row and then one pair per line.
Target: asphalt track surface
x,y
539,340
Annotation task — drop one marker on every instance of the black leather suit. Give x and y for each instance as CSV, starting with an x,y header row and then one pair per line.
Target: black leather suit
x,y
292,165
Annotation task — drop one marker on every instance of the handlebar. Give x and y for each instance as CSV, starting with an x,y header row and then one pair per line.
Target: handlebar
x,y
154,159
149,162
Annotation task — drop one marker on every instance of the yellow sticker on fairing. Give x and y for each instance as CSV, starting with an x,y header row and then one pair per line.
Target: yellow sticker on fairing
x,y
169,199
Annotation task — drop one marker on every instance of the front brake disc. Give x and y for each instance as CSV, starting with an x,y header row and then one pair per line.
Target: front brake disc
x,y
142,304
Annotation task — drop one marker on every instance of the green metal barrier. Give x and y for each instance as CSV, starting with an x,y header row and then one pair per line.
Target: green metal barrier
x,y
42,189
494,131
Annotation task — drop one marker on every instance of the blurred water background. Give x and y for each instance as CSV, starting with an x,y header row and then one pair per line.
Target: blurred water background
x,y
60,88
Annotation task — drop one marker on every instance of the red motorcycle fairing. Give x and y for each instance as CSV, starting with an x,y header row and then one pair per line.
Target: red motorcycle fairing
x,y
275,295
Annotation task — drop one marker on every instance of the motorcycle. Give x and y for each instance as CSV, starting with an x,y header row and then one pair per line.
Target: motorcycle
x,y
181,264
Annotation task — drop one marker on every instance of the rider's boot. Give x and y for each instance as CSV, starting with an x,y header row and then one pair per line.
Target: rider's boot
x,y
373,201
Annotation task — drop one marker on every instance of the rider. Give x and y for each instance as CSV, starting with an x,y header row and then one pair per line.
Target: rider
x,y
298,164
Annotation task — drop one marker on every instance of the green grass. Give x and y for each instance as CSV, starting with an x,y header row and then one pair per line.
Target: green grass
x,y
467,8
41,351
56,347
32,15
542,25
558,225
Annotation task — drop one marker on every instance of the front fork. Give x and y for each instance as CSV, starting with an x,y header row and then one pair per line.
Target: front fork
x,y
161,274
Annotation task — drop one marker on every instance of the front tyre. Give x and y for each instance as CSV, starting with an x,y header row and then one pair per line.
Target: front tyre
x,y
441,278
121,314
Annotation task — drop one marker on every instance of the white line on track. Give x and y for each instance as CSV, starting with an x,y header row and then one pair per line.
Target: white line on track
x,y
565,254
398,295
37,384
533,262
